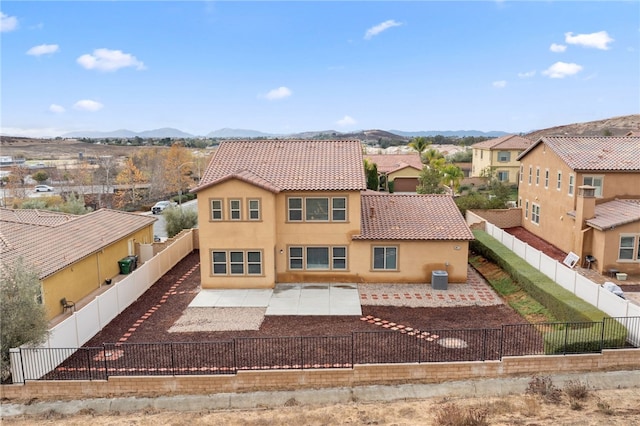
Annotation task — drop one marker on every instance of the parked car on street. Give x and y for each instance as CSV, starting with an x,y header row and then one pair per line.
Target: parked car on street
x,y
160,206
43,188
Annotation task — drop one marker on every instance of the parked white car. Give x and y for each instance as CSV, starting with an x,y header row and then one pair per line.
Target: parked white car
x,y
43,188
160,206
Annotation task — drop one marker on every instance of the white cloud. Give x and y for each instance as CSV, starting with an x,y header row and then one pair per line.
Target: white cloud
x,y
562,70
8,23
527,74
43,49
56,108
32,133
374,31
109,60
279,93
558,48
599,40
346,121
501,84
88,105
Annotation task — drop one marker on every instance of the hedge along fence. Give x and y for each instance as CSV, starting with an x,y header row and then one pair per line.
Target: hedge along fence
x,y
581,334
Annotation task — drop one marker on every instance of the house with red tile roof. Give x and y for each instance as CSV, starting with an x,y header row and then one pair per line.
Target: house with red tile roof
x,y
499,157
401,169
582,194
73,255
284,211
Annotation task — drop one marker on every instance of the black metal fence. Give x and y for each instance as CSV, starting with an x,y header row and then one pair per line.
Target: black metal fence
x,y
314,352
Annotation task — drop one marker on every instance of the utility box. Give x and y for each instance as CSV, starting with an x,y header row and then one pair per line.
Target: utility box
x,y
439,280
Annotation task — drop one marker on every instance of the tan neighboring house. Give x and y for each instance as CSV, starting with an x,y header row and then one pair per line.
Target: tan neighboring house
x,y
582,194
499,156
298,211
74,255
401,169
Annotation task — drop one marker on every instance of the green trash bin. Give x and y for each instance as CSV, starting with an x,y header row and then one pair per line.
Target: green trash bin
x,y
125,265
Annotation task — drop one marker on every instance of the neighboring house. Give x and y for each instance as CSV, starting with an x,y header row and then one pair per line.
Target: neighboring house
x,y
499,156
401,169
281,211
582,194
73,255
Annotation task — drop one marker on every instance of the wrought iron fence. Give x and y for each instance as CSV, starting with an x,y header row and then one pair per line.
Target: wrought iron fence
x,y
314,352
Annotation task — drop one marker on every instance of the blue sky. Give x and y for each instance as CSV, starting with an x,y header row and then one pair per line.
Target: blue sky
x,y
285,67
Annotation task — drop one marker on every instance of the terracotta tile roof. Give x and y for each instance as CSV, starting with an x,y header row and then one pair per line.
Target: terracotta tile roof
x,y
411,217
34,216
614,213
52,247
393,162
505,142
289,165
594,153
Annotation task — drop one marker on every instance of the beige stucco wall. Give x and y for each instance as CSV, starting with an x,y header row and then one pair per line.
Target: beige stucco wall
x,y
480,160
405,172
490,159
80,279
606,248
556,227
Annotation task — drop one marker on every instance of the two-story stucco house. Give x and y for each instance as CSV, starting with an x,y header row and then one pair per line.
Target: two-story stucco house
x,y
279,211
401,169
582,194
73,255
499,157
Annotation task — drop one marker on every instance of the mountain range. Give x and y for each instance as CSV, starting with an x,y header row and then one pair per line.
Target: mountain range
x,y
615,126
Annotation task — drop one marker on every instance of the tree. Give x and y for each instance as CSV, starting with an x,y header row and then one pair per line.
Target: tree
x,y
371,171
24,319
419,144
178,168
178,219
129,176
40,176
451,176
433,157
430,181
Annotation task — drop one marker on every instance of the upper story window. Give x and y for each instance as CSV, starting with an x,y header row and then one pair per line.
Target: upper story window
x,y
571,185
537,176
559,182
521,172
216,209
596,182
530,174
481,151
546,178
504,156
317,209
235,210
254,209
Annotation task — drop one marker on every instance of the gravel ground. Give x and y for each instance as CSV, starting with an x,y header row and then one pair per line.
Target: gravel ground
x,y
218,319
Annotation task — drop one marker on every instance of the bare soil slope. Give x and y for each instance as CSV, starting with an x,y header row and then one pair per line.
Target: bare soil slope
x,y
615,126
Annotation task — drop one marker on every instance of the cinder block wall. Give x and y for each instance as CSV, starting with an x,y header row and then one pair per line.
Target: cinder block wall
x,y
360,375
502,218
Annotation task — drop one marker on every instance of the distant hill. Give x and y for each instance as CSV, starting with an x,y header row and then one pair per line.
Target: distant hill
x,y
449,133
238,133
166,132
616,126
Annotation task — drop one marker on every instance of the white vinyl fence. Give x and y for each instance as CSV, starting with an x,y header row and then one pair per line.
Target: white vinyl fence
x,y
86,322
572,281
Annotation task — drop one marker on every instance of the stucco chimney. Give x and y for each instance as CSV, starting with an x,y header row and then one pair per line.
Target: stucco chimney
x,y
585,204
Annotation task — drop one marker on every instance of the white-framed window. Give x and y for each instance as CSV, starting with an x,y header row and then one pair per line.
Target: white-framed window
x,y
596,182
503,176
530,174
629,249
253,207
317,258
385,258
546,178
235,209
481,151
216,209
559,181
294,208
521,173
535,213
519,201
504,156
236,262
338,209
537,176
317,209
526,209
571,184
